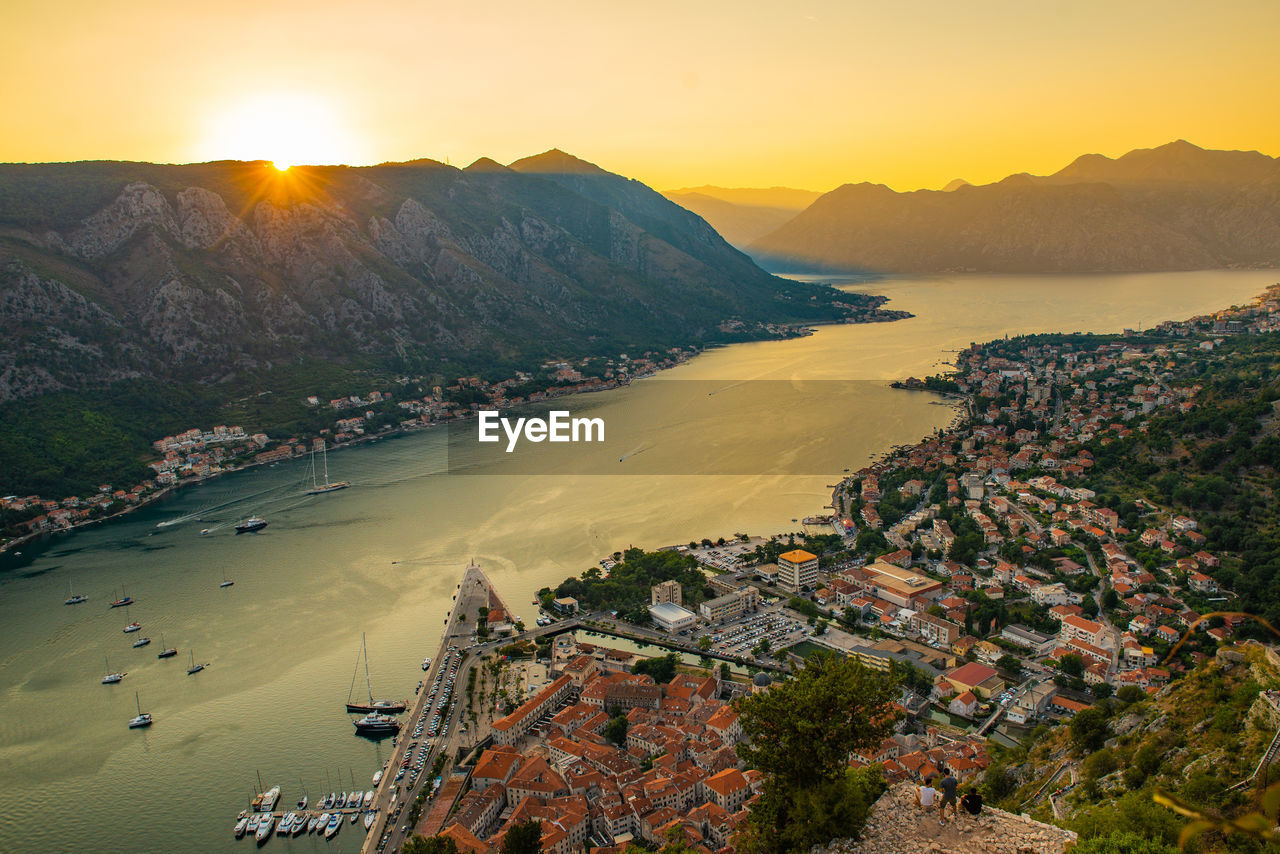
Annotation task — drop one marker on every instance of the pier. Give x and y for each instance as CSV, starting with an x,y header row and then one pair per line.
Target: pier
x,y
389,830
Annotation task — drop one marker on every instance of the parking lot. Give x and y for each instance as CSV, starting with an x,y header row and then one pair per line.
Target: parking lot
x,y
740,636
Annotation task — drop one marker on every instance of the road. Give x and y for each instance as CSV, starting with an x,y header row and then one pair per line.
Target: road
x,y
1102,614
392,796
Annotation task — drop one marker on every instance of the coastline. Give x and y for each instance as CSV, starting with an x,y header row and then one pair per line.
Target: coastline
x,y
796,330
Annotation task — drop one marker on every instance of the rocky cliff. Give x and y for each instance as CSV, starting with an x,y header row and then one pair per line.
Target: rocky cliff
x,y
898,825
1177,207
117,270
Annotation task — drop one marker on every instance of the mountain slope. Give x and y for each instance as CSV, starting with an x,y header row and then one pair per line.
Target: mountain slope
x,y
1177,207
120,270
742,215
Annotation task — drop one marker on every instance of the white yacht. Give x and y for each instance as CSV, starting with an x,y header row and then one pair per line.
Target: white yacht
x,y
241,826
265,824
335,824
269,798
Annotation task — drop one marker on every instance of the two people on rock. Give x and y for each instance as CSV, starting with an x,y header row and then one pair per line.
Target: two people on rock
x,y
945,795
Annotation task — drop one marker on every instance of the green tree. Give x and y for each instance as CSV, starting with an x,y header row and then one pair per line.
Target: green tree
x,y
523,838
418,844
1123,843
802,732
1009,663
704,643
616,730
662,668
1089,730
829,810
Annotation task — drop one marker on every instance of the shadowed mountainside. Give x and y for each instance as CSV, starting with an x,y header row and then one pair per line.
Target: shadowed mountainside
x,y
742,215
113,270
1176,207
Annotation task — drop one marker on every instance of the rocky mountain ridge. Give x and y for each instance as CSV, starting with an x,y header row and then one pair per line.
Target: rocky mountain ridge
x,y
118,270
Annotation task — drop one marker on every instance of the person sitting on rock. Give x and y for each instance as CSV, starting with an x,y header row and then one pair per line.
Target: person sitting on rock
x,y
972,802
926,794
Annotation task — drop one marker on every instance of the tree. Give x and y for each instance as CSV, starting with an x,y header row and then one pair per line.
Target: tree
x,y
1071,664
1009,663
834,810
523,838
704,643
419,844
802,732
662,668
1123,843
616,730
1089,730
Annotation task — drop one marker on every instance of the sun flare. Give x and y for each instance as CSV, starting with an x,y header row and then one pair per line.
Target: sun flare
x,y
286,129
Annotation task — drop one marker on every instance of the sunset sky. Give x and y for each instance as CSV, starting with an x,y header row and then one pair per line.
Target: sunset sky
x,y
743,93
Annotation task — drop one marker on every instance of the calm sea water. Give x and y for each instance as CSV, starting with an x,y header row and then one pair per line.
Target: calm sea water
x,y
382,558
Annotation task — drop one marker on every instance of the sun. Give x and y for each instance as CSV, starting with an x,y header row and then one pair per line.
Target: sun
x,y
286,128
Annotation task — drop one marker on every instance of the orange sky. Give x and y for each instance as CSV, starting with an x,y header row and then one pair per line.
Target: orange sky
x,y
743,93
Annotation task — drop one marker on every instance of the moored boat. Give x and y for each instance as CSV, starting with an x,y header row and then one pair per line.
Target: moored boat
x,y
143,719
74,598
241,826
368,798
374,724
193,668
141,642
335,824
265,824
369,818
377,777
269,798
312,822
111,678
286,824
165,651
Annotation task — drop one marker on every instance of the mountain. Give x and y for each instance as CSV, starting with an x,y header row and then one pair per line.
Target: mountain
x,y
1176,207
200,272
742,215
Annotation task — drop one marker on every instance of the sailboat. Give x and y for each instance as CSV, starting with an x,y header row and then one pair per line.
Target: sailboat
x,y
226,581
74,598
111,678
318,488
143,718
133,626
192,667
124,600
165,651
372,707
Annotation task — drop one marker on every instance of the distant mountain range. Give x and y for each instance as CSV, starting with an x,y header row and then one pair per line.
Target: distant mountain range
x,y
114,270
1176,207
742,215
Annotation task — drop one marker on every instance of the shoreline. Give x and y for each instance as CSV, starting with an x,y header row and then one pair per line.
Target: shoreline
x,y
798,330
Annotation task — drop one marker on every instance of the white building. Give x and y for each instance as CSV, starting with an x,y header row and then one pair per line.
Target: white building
x,y
671,617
